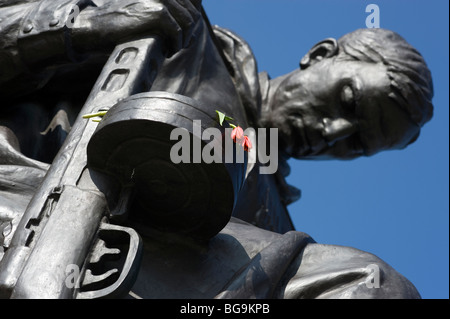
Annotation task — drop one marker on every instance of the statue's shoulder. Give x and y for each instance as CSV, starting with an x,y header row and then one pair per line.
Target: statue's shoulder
x,y
243,68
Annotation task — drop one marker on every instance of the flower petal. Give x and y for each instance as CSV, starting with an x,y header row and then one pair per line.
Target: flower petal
x,y
237,134
247,144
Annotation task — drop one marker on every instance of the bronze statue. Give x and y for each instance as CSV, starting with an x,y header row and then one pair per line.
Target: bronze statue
x,y
151,66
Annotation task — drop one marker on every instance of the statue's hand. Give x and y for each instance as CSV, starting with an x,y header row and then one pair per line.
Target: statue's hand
x,y
117,21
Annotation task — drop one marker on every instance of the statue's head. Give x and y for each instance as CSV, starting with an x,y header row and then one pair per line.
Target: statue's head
x,y
366,92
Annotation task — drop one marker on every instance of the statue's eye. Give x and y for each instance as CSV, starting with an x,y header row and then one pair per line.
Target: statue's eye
x,y
348,98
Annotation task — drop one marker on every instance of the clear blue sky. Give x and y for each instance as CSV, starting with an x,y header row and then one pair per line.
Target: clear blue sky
x,y
395,204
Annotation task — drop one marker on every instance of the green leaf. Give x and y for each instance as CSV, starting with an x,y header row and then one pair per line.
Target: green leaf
x,y
221,117
227,118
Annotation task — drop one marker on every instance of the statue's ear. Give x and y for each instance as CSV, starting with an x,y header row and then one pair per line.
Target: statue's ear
x,y
324,49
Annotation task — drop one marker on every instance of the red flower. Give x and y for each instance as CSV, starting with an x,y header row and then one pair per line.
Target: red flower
x,y
239,138
237,135
247,144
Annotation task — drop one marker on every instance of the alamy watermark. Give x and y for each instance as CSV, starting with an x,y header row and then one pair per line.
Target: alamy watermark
x,y
75,11
73,274
373,19
373,280
190,150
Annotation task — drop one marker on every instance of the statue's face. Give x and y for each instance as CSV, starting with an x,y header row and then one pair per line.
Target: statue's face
x,y
339,109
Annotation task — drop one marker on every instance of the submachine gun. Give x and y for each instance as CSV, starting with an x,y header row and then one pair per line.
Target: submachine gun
x,y
69,243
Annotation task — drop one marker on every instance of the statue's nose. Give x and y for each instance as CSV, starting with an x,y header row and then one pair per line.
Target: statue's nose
x,y
337,129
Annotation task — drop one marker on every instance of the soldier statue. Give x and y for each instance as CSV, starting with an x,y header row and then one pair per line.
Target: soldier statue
x,y
102,200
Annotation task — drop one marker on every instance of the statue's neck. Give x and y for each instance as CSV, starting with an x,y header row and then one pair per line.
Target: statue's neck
x,y
270,91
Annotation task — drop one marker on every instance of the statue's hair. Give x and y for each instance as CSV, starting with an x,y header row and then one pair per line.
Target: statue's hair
x,y
411,82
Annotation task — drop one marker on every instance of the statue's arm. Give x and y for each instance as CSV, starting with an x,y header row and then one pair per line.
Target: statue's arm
x,y
37,38
11,18
34,37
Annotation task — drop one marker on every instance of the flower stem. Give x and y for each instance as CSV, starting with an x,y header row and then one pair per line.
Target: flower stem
x,y
88,116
